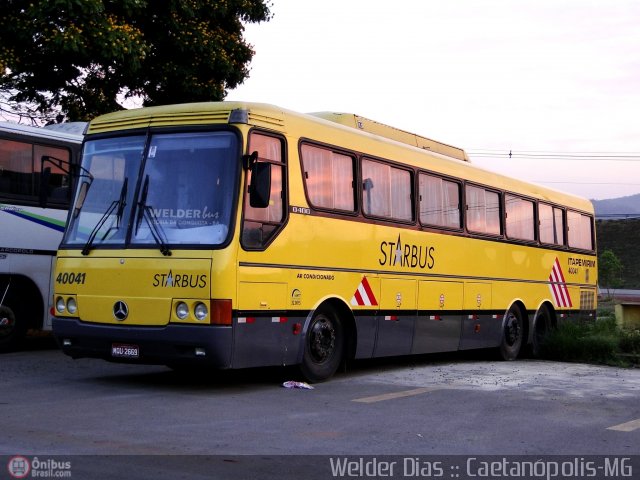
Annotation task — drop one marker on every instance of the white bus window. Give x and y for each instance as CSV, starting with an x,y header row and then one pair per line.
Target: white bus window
x,y
20,165
551,224
328,177
386,191
439,201
520,222
483,210
580,230
16,168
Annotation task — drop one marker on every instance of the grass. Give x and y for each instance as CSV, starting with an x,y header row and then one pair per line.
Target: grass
x,y
598,342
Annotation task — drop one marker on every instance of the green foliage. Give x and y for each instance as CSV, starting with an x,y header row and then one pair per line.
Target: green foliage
x,y
600,342
630,342
80,55
621,237
609,270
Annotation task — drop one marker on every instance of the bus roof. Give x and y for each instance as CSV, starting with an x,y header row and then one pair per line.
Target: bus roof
x,y
442,158
28,131
377,128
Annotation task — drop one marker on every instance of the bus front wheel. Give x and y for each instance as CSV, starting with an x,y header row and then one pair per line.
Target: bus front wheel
x,y
323,346
512,334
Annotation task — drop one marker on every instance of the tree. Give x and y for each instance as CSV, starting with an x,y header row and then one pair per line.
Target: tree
x,y
82,58
610,271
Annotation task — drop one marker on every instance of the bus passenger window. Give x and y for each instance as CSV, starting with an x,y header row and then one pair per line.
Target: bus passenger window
x,y
20,165
580,230
328,177
16,168
551,224
483,210
439,201
520,223
386,191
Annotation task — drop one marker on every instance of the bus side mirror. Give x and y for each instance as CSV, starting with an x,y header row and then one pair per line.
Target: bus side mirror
x,y
260,188
43,193
82,195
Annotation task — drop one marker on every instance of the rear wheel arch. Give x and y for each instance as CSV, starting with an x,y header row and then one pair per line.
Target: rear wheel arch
x,y
329,340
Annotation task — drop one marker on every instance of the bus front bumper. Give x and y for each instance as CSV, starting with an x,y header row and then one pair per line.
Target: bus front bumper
x,y
173,345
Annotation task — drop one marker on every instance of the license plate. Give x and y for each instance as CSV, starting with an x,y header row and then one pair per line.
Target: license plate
x,y
125,351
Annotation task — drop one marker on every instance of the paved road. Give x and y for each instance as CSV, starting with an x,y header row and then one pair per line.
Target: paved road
x,y
434,405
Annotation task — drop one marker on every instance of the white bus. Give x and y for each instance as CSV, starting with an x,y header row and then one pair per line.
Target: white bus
x,y
35,168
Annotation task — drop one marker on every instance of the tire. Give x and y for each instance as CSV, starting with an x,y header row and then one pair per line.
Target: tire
x,y
541,327
324,346
512,335
12,329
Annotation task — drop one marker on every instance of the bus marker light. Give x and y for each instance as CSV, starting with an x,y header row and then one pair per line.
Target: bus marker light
x,y
297,328
393,318
66,342
476,328
278,319
200,352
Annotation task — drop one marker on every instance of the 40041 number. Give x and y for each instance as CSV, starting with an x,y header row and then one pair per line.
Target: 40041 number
x,y
71,277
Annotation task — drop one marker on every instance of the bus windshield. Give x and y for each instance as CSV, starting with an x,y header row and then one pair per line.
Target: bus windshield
x,y
179,189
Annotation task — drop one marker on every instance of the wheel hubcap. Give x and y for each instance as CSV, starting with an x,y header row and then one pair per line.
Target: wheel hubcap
x,y
6,326
322,340
512,330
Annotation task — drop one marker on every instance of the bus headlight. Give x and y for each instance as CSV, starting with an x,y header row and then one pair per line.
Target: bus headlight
x,y
72,306
201,311
182,310
60,305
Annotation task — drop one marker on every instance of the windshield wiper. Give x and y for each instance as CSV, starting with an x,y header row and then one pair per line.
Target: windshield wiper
x,y
145,211
116,204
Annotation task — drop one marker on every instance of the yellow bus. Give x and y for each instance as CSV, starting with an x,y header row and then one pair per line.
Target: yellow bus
x,y
238,235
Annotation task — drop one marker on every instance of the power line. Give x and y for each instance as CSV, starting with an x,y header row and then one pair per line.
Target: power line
x,y
589,183
569,156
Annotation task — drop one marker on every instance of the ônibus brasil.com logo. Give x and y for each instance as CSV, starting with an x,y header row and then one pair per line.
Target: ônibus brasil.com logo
x,y
21,467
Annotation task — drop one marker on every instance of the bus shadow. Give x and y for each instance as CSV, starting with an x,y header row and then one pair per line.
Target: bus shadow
x,y
37,341
200,379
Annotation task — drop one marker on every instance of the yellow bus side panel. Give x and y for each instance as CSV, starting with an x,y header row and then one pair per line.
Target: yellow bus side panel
x,y
262,296
435,295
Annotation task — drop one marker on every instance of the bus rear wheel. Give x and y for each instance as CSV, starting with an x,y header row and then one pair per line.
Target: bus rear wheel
x,y
323,346
512,334
11,330
541,328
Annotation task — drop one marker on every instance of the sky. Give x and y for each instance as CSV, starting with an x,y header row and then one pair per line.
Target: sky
x,y
554,82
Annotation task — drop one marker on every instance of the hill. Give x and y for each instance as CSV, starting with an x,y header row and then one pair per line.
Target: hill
x,y
622,207
622,237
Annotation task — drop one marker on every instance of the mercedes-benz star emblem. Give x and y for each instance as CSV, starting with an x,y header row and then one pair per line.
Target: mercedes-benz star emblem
x,y
120,310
